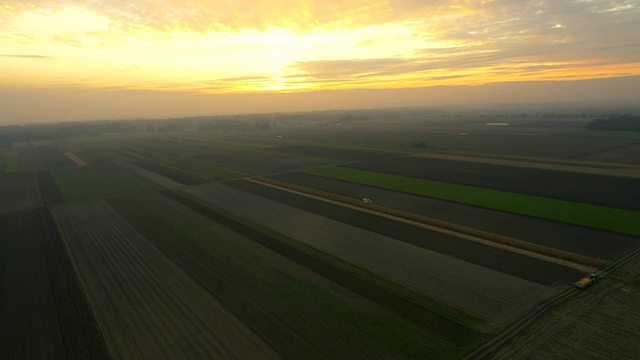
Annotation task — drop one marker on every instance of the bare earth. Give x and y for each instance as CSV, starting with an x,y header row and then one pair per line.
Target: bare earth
x,y
146,306
76,160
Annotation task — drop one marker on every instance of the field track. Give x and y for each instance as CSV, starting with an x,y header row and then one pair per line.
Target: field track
x,y
598,323
145,306
501,252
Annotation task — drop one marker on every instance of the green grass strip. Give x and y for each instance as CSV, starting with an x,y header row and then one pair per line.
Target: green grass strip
x,y
12,164
594,216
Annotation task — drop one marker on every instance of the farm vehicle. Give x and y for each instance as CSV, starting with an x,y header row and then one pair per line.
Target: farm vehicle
x,y
586,281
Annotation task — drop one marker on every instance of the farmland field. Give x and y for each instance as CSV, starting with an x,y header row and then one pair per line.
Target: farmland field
x,y
395,234
82,183
607,191
581,240
264,162
18,192
44,313
145,305
433,274
600,324
624,221
244,270
497,259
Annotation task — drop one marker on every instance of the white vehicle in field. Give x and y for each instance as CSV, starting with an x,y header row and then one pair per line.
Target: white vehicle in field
x,y
367,201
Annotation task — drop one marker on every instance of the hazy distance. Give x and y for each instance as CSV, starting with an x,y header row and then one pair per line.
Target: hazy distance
x,y
83,60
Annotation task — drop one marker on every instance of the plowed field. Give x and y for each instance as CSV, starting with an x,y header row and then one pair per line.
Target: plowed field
x,y
477,290
580,240
145,305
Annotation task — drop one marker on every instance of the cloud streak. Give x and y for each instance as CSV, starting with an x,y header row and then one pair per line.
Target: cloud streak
x,y
291,45
26,56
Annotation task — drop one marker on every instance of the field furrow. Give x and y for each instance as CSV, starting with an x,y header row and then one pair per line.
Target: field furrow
x,y
146,306
29,326
496,296
221,262
503,260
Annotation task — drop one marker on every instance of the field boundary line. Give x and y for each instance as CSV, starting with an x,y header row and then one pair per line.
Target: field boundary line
x,y
557,256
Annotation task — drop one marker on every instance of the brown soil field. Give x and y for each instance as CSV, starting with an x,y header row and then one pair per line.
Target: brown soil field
x,y
145,305
76,160
262,161
628,155
331,152
602,322
300,313
44,314
586,188
496,296
576,239
501,260
18,191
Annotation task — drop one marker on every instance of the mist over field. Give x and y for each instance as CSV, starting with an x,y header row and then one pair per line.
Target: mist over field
x,y
64,104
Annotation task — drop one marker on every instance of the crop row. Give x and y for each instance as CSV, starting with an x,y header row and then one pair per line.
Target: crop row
x,y
443,278
267,291
387,227
44,312
145,305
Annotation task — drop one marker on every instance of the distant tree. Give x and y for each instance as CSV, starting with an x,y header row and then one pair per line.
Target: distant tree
x,y
616,123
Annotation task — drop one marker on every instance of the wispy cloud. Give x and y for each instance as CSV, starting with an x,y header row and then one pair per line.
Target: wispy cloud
x,y
256,45
26,56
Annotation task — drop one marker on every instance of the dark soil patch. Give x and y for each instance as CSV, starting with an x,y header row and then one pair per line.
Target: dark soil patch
x,y
261,161
576,239
585,188
49,191
18,191
330,152
44,312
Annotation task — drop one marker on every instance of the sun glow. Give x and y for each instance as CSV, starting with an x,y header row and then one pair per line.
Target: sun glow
x,y
70,43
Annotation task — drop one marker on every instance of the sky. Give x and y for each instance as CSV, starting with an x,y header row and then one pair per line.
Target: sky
x,y
100,59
